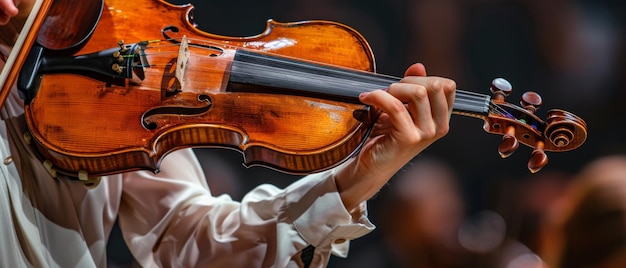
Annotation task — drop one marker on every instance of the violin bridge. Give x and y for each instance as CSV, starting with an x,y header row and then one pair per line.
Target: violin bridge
x,y
181,63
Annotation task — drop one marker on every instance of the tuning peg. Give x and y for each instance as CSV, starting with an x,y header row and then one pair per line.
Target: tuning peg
x,y
122,46
509,143
538,159
117,68
531,101
500,88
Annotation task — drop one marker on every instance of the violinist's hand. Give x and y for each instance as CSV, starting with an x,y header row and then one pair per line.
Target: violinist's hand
x,y
8,9
415,113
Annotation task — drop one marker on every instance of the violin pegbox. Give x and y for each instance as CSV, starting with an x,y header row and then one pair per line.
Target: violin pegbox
x,y
562,131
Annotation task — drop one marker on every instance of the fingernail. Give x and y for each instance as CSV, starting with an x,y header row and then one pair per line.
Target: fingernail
x,y
363,95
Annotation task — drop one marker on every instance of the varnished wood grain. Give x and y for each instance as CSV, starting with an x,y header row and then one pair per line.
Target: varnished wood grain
x,y
88,123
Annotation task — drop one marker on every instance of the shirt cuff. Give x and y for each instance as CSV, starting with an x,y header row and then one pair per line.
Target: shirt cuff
x,y
320,217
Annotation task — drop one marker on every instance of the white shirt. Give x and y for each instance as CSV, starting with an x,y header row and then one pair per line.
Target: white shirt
x,y
168,220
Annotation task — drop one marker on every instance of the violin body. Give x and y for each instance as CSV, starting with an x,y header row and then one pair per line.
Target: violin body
x,y
91,123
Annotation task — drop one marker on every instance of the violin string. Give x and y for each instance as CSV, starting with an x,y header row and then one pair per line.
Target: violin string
x,y
498,109
463,98
216,46
465,95
469,97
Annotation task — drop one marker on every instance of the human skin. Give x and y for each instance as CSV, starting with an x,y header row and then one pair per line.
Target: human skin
x,y
8,9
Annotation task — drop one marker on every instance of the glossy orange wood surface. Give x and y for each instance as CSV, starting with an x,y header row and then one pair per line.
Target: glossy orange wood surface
x,y
93,125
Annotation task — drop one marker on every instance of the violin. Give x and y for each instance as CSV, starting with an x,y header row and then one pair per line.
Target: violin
x,y
138,80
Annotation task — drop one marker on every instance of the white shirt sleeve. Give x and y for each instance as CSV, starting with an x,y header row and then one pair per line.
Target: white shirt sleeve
x,y
171,219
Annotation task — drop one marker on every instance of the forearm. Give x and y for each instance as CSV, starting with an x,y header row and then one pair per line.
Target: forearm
x,y
183,223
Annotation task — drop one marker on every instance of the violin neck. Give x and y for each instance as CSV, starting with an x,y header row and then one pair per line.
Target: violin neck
x,y
264,73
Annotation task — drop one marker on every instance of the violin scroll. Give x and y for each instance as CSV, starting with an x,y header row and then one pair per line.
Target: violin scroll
x,y
561,131
565,130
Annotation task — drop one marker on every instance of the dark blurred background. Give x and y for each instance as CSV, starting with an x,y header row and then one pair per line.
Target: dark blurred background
x,y
571,52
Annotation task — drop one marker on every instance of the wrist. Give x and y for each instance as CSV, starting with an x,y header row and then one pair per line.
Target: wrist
x,y
355,185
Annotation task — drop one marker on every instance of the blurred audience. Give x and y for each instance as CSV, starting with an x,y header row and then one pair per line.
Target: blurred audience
x,y
423,210
524,203
587,226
